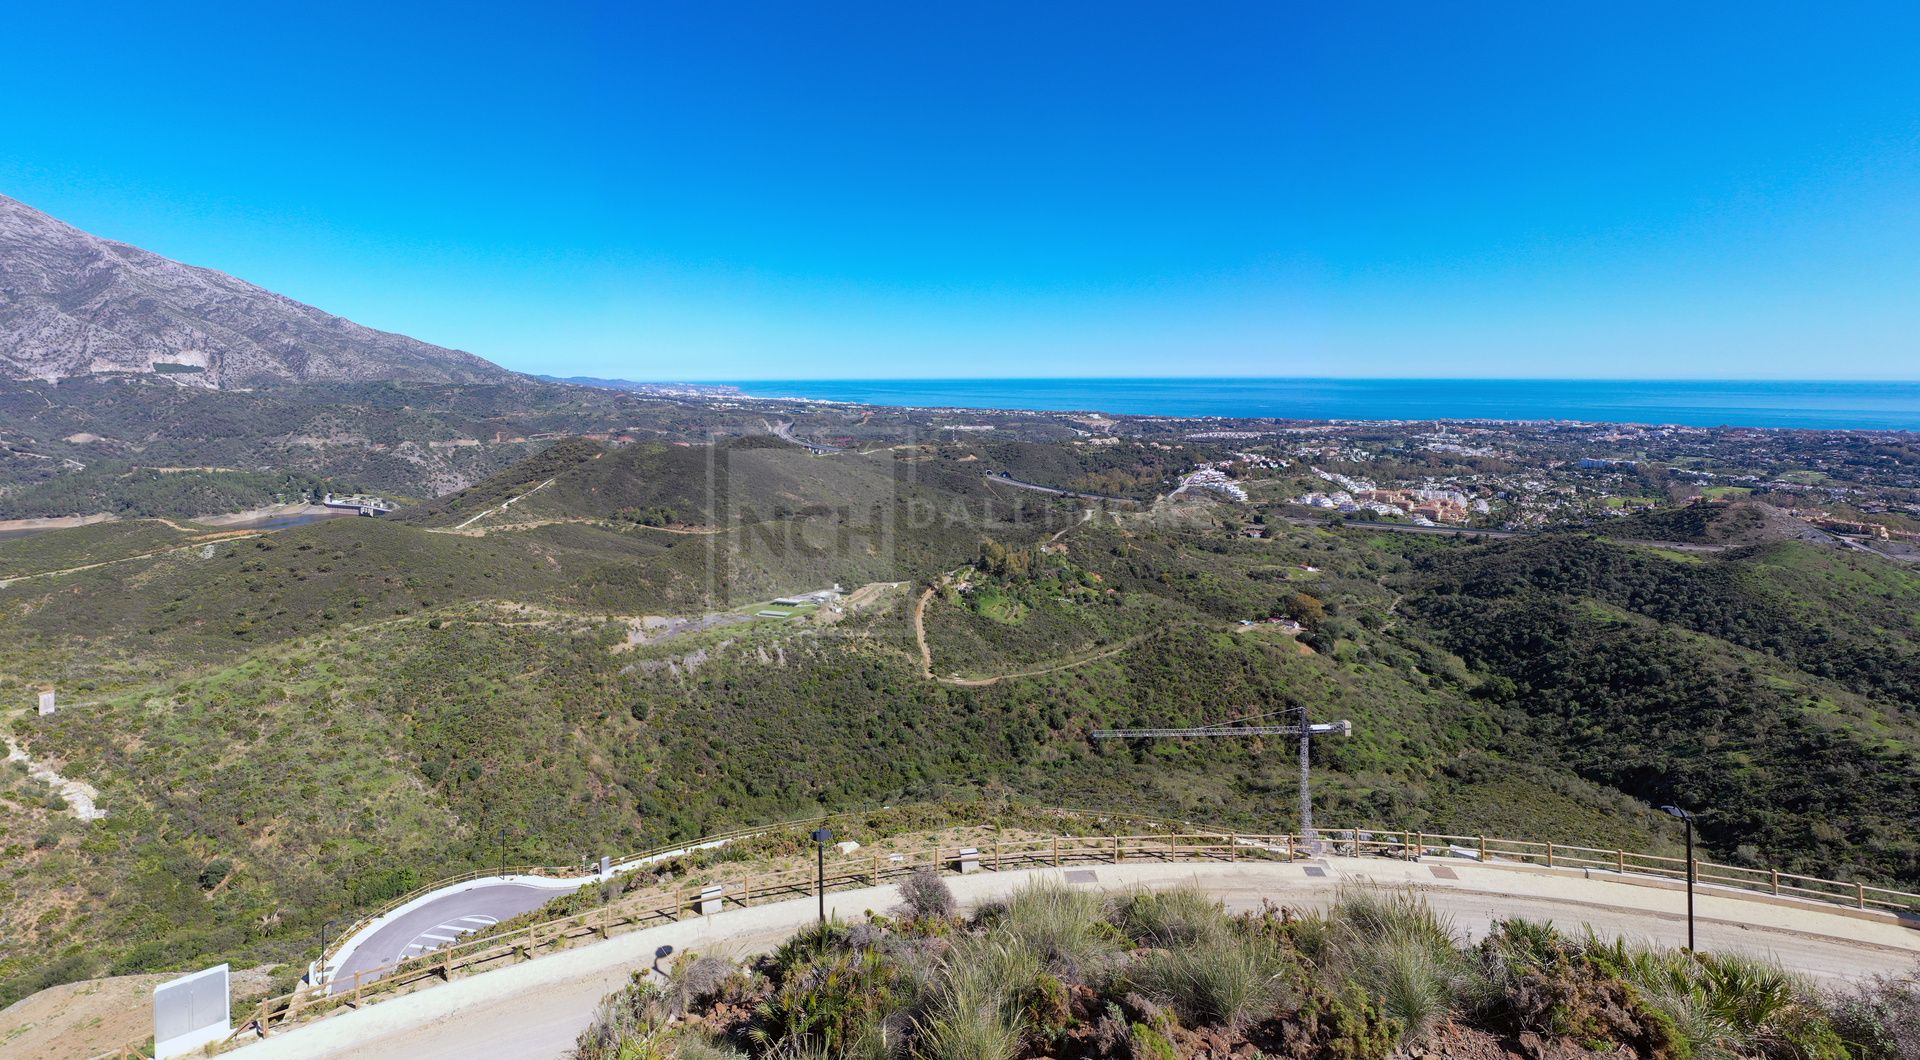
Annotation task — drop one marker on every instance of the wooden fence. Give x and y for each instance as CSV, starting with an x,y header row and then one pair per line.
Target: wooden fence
x,y
1186,842
667,905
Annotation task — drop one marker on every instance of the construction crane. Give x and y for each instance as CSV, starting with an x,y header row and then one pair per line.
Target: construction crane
x,y
1302,728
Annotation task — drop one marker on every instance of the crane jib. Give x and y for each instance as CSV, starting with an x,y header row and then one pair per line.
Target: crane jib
x,y
1344,728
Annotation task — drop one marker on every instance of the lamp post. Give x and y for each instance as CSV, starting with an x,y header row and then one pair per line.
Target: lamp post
x,y
1688,819
320,973
821,837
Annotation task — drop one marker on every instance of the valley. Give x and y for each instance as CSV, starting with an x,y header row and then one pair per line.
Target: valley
x,y
289,726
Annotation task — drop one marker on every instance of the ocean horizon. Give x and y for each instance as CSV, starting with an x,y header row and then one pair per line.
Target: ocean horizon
x,y
1804,404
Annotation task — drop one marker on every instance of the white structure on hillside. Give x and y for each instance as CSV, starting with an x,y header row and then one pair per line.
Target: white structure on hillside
x,y
46,702
191,1012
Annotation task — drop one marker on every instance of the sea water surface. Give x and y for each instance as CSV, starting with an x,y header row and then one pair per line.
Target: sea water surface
x,y
1823,405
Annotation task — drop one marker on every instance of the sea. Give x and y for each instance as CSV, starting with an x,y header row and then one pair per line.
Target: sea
x,y
1882,406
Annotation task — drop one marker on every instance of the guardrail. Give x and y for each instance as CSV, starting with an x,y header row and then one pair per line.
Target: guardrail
x,y
569,872
667,905
689,846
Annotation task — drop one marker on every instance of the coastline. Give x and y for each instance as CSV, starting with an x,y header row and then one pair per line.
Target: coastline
x,y
1753,404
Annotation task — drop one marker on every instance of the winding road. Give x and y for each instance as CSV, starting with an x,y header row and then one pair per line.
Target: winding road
x,y
538,1008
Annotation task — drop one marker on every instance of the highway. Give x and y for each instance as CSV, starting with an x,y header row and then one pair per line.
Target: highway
x,y
784,431
537,1008
1008,480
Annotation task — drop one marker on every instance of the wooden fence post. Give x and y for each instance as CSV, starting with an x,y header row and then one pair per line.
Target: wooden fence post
x,y
996,854
1056,852
1419,844
1289,848
356,989
1549,853
1233,847
1776,882
1860,893
1620,862
1118,853
1483,850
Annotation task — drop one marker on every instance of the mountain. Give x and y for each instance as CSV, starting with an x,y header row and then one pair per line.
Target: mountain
x,y
73,304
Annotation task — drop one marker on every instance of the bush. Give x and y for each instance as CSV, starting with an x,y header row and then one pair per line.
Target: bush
x,y
1219,981
629,1025
925,895
1401,952
1065,926
1880,1018
1169,918
1340,1024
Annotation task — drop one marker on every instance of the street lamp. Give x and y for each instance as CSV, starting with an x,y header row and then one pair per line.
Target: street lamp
x,y
821,837
1688,818
321,974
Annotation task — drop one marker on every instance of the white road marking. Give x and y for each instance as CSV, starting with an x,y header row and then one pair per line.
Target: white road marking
x,y
437,938
482,919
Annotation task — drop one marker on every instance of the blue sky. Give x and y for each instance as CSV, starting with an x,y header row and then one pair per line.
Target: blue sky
x,y
736,191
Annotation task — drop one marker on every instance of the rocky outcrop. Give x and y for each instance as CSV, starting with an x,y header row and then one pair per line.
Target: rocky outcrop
x,y
73,304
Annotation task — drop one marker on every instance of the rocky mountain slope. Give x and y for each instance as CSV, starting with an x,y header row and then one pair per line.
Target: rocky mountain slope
x,y
73,304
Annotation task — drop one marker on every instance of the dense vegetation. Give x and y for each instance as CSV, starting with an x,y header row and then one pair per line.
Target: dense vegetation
x,y
1778,690
120,489
291,727
1058,971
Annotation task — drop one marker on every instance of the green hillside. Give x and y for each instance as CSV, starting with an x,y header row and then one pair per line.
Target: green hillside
x,y
290,727
1774,688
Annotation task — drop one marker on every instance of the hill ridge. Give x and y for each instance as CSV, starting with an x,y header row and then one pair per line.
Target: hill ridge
x,y
75,304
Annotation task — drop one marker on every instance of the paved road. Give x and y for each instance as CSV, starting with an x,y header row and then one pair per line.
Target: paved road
x,y
784,431
536,1009
1008,480
438,923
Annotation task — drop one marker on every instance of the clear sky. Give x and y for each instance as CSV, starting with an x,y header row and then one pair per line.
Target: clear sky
x,y
838,189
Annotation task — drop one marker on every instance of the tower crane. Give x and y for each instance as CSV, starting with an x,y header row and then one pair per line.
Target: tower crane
x,y
1303,728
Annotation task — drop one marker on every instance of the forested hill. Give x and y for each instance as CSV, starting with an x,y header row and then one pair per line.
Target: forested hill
x,y
1775,688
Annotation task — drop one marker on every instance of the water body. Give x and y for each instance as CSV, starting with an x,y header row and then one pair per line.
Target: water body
x,y
1821,405
281,522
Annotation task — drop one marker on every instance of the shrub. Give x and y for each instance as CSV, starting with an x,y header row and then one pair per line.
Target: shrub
x,y
1169,918
629,1025
1880,1018
828,1002
1401,952
696,982
1220,981
926,895
1063,925
962,1029
1340,1024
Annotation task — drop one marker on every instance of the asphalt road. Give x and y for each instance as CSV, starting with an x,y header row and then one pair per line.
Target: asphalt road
x,y
438,923
1008,480
535,1009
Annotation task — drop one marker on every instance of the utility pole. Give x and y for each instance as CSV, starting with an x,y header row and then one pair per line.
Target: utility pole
x,y
1302,728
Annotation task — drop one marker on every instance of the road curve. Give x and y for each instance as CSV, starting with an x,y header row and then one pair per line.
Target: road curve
x,y
437,923
537,1008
